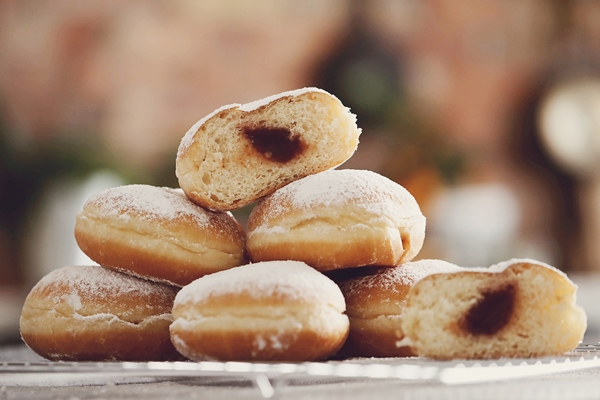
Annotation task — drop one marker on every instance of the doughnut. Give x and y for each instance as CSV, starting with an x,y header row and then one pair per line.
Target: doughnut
x,y
375,297
241,152
158,233
518,308
90,313
271,311
337,219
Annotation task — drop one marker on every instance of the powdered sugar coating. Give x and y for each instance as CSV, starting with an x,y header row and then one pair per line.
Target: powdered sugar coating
x,y
292,93
72,285
396,279
293,280
504,265
365,189
147,202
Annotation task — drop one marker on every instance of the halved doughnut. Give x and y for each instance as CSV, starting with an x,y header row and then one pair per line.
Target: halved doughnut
x,y
239,153
518,308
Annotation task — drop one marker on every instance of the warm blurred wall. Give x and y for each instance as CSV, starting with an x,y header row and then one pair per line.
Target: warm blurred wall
x,y
136,75
140,73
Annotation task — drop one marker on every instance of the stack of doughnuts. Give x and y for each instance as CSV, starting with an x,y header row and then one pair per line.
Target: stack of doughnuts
x,y
151,241
324,269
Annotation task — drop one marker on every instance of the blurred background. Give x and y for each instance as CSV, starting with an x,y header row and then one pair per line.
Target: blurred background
x,y
487,111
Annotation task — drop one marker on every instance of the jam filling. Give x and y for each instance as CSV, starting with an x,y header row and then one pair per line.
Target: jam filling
x,y
276,144
492,313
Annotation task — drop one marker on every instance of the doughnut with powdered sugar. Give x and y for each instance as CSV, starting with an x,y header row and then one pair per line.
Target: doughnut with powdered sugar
x,y
271,311
158,233
337,219
90,313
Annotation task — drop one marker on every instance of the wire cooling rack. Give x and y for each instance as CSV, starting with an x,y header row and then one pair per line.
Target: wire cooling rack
x,y
266,377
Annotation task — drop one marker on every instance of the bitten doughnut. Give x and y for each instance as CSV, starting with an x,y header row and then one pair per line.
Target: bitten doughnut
x,y
375,298
271,311
241,152
89,313
337,219
519,308
158,233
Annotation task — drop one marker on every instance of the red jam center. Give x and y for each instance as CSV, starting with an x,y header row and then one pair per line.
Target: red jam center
x,y
276,144
492,313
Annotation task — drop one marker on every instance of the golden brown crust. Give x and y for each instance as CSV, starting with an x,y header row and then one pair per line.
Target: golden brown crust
x,y
120,228
375,337
255,338
520,308
83,342
240,153
337,219
330,252
272,311
375,298
89,313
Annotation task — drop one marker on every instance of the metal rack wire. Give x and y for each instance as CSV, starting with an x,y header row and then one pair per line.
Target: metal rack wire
x,y
268,377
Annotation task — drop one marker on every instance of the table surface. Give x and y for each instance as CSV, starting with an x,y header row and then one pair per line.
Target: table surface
x,y
24,375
